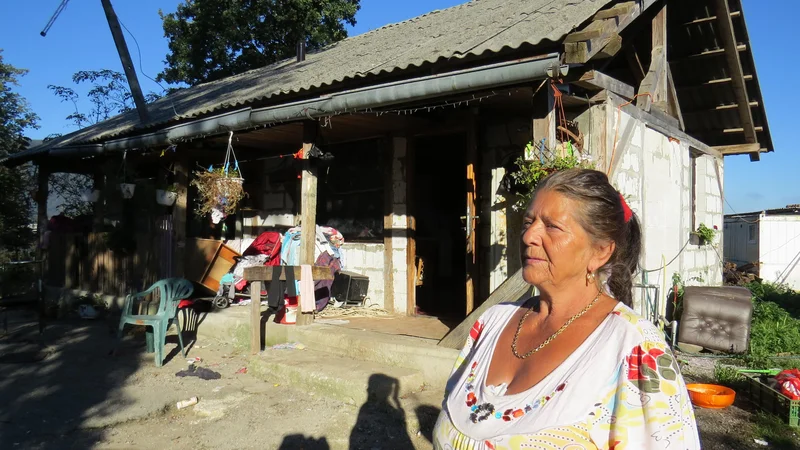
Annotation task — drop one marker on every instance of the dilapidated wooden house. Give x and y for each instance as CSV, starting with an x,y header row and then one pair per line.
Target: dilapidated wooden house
x,y
425,119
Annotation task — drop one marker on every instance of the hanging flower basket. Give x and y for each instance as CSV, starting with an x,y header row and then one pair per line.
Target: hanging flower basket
x,y
219,189
91,195
127,189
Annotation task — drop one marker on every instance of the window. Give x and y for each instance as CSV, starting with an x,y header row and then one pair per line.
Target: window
x,y
350,193
751,234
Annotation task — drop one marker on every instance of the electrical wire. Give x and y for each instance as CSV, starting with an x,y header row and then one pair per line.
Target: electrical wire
x,y
141,67
642,270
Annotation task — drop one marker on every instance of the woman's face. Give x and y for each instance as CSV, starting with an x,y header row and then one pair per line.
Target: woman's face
x,y
555,249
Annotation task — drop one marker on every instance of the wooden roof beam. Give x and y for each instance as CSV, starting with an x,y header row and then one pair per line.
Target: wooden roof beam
x,y
725,27
591,41
595,80
739,149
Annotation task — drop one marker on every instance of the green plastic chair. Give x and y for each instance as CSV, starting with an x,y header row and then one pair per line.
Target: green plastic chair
x,y
171,292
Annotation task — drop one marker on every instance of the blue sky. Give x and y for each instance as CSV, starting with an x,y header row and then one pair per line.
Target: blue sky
x,y
80,40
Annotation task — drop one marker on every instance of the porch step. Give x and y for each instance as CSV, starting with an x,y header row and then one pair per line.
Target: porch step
x,y
433,362
348,380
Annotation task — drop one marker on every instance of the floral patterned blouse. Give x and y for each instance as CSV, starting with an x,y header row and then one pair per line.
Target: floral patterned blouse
x,y
620,389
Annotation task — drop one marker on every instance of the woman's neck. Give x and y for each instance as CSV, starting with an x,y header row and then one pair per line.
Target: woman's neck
x,y
562,303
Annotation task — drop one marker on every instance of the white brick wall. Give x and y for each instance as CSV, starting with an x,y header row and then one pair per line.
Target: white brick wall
x,y
367,259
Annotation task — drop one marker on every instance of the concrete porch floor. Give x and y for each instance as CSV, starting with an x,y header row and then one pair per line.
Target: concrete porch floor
x,y
426,327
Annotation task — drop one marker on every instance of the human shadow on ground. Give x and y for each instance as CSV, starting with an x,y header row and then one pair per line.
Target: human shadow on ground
x,y
300,442
381,421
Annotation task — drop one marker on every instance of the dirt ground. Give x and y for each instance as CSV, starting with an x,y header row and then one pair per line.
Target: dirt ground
x,y
66,390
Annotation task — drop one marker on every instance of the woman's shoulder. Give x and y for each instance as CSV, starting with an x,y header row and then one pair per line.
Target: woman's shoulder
x,y
635,327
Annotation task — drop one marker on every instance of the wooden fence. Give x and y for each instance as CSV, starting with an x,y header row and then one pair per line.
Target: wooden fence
x,y
84,262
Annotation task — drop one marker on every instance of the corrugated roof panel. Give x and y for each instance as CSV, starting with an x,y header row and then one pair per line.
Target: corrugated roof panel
x,y
469,29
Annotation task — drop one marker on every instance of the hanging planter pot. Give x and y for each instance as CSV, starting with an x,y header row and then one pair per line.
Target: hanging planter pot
x,y
127,190
166,198
91,195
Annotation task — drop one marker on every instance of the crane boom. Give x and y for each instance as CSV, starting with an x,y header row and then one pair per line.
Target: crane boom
x,y
55,16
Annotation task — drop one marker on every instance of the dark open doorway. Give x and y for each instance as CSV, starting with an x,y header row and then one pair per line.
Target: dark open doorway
x,y
439,203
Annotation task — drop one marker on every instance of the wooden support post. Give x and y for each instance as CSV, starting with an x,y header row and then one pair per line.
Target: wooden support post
x,y
655,83
255,317
179,215
388,197
42,194
308,210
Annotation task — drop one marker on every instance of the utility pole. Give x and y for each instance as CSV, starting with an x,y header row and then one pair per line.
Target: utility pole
x,y
127,64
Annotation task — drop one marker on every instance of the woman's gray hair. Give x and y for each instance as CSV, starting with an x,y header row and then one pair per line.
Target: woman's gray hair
x,y
603,217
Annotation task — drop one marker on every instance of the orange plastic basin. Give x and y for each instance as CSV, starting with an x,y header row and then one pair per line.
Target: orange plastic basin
x,y
711,396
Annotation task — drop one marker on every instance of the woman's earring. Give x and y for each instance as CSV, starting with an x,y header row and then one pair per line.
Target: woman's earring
x,y
590,278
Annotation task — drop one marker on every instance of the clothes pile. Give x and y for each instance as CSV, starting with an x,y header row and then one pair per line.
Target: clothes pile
x,y
273,249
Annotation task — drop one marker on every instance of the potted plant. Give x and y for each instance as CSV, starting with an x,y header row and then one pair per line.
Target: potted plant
x,y
705,234
530,171
127,189
167,195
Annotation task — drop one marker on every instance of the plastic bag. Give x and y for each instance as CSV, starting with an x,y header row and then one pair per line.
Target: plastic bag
x,y
789,381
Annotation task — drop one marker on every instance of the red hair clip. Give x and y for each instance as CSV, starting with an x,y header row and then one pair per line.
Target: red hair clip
x,y
625,209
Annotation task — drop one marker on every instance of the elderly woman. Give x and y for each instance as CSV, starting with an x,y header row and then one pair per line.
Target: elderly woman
x,y
574,368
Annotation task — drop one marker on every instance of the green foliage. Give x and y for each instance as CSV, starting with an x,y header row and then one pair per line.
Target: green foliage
x,y
706,234
108,96
775,327
728,376
213,39
16,203
530,173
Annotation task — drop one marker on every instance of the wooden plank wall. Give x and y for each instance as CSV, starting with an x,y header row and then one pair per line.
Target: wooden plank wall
x,y
84,262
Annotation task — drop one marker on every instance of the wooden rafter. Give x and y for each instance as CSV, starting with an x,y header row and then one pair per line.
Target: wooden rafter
x,y
711,18
674,106
718,108
738,149
725,27
601,37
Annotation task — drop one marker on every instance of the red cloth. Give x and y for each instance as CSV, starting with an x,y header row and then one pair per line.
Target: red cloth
x,y
185,304
789,380
267,243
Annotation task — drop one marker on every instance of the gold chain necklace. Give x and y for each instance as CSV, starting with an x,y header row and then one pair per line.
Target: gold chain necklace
x,y
553,336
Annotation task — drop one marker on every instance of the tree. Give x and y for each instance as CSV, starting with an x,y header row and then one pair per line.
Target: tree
x,y
16,204
108,96
213,39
